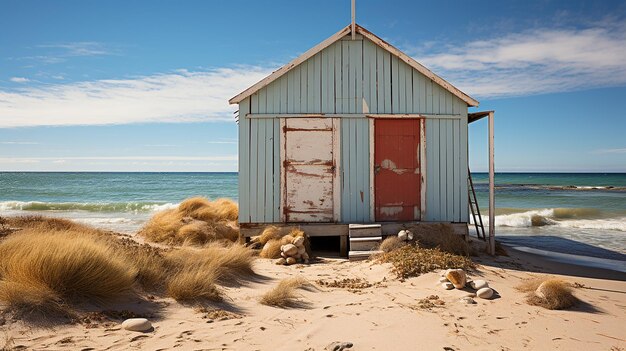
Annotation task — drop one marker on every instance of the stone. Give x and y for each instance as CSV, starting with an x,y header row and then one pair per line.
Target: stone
x,y
290,249
301,250
467,300
479,284
305,256
457,278
484,293
443,280
298,241
291,260
447,286
283,255
137,324
402,235
409,235
281,261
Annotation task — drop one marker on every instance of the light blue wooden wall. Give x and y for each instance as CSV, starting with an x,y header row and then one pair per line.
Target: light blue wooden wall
x,y
259,168
354,77
446,166
355,170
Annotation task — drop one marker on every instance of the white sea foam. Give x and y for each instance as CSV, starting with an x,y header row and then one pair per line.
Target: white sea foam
x,y
85,206
557,218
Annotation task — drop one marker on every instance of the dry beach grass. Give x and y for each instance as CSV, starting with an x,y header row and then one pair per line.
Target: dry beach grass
x,y
196,221
550,293
42,270
284,294
50,266
411,260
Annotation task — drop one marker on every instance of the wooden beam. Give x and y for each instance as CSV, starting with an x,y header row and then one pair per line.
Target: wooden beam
x,y
352,115
476,116
311,229
492,200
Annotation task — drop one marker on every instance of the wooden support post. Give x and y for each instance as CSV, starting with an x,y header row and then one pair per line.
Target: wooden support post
x,y
492,199
343,245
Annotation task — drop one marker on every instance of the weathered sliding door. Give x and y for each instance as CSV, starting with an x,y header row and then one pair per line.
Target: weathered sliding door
x,y
310,152
397,169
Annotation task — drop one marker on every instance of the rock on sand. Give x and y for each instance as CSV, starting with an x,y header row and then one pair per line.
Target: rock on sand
x,y
137,324
484,293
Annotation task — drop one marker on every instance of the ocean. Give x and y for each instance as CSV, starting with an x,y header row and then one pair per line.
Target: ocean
x,y
572,213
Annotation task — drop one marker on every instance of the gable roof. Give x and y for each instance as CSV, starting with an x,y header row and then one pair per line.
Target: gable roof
x,y
337,36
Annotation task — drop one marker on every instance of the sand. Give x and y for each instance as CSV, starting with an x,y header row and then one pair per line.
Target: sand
x,y
384,316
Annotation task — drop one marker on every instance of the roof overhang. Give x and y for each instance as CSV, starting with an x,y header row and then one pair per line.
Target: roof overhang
x,y
337,36
475,116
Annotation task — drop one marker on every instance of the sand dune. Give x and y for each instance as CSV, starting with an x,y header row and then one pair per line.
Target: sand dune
x,y
382,315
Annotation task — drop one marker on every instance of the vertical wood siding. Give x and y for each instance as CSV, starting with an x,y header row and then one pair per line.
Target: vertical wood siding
x,y
353,77
259,166
446,167
355,170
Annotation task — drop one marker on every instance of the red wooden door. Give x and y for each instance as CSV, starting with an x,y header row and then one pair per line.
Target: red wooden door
x,y
397,169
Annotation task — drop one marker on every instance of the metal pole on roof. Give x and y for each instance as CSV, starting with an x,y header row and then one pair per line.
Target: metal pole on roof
x,y
353,25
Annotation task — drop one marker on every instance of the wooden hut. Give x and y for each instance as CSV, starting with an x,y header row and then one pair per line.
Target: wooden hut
x,y
352,132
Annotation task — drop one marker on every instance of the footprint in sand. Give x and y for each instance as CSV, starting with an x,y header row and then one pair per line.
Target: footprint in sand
x,y
138,337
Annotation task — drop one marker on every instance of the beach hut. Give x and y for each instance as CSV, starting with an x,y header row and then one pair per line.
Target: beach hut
x,y
353,135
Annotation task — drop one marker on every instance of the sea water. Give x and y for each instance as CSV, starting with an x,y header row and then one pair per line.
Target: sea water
x,y
548,210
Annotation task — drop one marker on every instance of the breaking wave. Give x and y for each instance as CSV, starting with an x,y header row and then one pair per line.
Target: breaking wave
x,y
85,206
581,218
559,187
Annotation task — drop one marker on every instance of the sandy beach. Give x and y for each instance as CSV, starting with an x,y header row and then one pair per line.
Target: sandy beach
x,y
380,313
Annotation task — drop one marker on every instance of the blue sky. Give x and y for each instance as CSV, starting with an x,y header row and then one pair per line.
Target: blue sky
x,y
143,85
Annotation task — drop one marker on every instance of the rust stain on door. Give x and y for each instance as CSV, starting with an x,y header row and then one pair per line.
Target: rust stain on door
x,y
309,170
397,169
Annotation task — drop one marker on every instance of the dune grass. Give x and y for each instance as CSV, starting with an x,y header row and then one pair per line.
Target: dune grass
x,y
412,260
197,271
441,236
196,221
43,270
192,284
391,243
271,249
229,262
269,233
550,293
51,265
284,294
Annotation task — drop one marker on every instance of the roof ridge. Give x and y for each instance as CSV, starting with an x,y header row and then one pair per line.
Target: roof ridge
x,y
336,37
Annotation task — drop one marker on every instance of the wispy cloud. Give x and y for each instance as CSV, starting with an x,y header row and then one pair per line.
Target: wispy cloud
x,y
19,80
82,48
118,158
533,62
182,96
54,53
18,143
611,151
221,142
